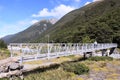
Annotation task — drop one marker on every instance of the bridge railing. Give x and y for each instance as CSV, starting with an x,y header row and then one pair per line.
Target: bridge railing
x,y
55,49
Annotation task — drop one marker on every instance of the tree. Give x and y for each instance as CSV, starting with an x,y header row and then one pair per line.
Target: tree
x,y
116,39
87,39
3,44
100,31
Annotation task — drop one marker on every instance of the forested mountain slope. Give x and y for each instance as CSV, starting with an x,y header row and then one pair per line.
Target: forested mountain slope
x,y
98,21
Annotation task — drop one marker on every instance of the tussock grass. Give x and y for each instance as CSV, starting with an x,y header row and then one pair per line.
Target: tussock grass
x,y
100,58
56,74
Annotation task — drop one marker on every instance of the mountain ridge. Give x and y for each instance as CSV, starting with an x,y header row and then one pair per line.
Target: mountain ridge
x,y
30,33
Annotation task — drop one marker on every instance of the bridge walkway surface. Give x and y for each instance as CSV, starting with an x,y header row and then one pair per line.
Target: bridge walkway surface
x,y
35,51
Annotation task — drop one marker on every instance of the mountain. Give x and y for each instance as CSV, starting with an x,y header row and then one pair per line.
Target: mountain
x,y
98,21
6,38
30,33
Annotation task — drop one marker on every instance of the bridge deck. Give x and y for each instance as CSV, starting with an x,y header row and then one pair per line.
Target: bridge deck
x,y
34,51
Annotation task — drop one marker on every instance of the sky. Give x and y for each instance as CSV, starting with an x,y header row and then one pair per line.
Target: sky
x,y
17,15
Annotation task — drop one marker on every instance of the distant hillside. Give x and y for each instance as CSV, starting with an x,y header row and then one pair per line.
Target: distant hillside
x,y
96,21
7,38
30,33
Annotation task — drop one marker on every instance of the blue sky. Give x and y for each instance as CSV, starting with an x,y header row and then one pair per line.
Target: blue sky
x,y
17,15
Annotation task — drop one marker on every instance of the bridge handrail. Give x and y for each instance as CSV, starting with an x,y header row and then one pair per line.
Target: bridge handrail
x,y
40,48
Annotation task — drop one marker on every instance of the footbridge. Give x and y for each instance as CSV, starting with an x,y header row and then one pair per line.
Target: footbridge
x,y
34,51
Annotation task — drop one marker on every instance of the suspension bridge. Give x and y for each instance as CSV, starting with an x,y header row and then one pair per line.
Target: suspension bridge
x,y
35,51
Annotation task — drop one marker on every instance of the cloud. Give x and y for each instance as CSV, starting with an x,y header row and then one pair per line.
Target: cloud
x,y
92,1
56,12
87,3
34,21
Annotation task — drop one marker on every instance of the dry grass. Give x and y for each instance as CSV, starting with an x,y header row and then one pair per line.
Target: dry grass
x,y
34,62
56,74
105,70
55,60
113,76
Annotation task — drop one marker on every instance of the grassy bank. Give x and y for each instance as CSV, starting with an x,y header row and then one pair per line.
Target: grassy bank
x,y
4,53
105,69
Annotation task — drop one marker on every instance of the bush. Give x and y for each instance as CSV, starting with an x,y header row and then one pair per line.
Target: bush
x,y
100,58
77,68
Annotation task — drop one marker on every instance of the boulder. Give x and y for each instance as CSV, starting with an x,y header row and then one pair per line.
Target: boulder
x,y
15,66
10,67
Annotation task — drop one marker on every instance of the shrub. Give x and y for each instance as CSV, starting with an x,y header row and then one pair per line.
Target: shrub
x,y
77,68
100,58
